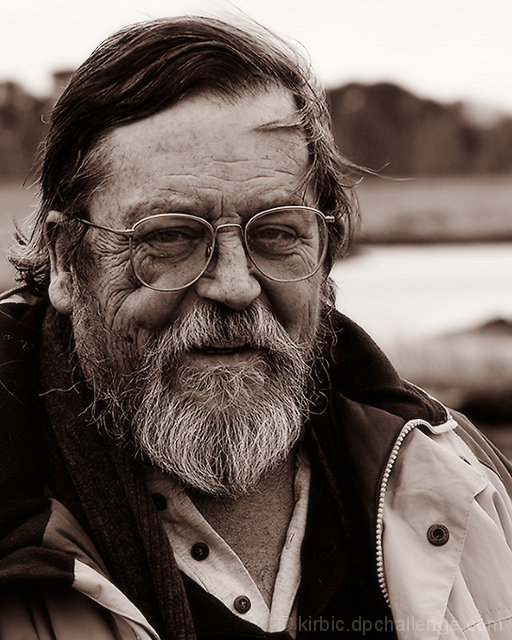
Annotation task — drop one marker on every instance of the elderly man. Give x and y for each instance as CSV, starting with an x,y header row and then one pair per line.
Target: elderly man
x,y
195,443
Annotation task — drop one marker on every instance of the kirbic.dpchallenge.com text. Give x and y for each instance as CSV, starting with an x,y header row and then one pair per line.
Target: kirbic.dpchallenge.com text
x,y
364,626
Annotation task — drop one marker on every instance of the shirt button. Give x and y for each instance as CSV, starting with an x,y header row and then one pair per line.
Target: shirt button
x,y
160,501
200,551
242,604
438,535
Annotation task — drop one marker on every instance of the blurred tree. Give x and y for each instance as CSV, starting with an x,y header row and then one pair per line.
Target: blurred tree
x,y
23,121
21,129
384,127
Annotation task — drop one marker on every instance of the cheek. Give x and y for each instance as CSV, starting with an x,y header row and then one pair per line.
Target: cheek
x,y
140,313
297,307
154,310
126,304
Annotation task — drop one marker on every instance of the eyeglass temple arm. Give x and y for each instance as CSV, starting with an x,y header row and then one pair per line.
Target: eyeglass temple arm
x,y
123,232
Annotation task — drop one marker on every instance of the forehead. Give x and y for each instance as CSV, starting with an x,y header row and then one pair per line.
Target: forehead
x,y
205,153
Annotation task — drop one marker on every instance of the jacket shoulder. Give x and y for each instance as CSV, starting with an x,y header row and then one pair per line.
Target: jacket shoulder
x,y
486,452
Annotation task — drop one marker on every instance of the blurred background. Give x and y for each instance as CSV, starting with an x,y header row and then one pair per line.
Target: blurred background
x,y
420,92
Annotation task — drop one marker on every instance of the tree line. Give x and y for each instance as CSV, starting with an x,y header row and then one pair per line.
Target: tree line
x,y
388,129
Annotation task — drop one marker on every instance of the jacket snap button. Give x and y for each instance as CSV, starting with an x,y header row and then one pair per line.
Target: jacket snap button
x,y
200,551
242,604
160,501
438,534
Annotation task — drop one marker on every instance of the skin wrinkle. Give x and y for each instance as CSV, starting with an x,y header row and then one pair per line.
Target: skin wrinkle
x,y
223,177
279,127
62,173
207,186
106,243
123,158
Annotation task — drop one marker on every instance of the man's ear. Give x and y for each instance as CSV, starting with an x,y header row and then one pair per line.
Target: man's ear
x,y
61,290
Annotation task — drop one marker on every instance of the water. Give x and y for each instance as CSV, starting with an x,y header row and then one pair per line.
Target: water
x,y
410,291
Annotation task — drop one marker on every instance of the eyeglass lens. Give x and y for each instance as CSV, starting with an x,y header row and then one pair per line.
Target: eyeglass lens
x,y
170,252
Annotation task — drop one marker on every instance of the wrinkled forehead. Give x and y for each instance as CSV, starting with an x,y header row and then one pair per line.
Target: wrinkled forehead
x,y
207,147
205,115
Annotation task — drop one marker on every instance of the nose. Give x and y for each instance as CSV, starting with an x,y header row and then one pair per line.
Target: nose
x,y
230,278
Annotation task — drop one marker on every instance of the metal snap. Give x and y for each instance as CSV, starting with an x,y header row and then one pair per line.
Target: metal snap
x,y
438,534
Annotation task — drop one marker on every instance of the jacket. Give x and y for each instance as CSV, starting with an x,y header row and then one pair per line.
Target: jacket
x,y
434,491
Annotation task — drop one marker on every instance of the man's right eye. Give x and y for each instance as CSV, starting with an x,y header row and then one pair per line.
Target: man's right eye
x,y
175,243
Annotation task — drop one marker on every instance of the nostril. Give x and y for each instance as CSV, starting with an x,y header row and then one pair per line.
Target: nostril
x,y
229,281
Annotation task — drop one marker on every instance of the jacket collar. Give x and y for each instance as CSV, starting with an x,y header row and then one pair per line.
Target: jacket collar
x,y
368,405
360,371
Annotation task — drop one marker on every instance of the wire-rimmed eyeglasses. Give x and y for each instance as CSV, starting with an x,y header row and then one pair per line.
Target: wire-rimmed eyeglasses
x,y
170,251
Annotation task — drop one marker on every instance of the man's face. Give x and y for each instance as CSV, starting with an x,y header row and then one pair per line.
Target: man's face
x,y
207,157
219,160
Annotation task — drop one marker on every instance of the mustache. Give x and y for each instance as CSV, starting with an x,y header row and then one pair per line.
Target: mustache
x,y
209,325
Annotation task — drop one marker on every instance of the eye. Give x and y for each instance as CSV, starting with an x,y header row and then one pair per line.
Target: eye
x,y
272,238
172,243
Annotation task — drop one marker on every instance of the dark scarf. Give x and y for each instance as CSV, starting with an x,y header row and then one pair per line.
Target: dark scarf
x,y
102,486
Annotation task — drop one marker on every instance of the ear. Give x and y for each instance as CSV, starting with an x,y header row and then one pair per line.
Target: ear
x,y
61,290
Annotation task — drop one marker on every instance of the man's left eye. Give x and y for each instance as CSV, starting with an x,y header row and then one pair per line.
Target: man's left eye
x,y
273,238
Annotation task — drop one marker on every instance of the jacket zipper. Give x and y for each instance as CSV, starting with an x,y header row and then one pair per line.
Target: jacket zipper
x,y
379,527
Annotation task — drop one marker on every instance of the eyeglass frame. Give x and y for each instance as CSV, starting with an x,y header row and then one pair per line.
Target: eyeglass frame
x,y
327,219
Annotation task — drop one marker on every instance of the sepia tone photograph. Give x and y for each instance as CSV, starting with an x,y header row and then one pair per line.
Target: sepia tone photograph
x,y
256,320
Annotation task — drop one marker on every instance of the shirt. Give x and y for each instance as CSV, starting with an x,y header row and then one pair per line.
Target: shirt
x,y
205,557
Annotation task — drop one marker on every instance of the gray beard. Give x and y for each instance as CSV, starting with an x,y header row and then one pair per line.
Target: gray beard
x,y
217,428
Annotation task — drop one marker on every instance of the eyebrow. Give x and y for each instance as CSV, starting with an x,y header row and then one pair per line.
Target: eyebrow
x,y
165,204
145,208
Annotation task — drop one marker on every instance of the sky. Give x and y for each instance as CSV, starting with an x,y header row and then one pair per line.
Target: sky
x,y
445,49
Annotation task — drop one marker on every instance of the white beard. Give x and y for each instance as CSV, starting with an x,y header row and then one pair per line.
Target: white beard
x,y
216,428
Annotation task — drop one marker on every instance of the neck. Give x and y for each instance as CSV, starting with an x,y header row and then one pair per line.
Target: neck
x,y
255,525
